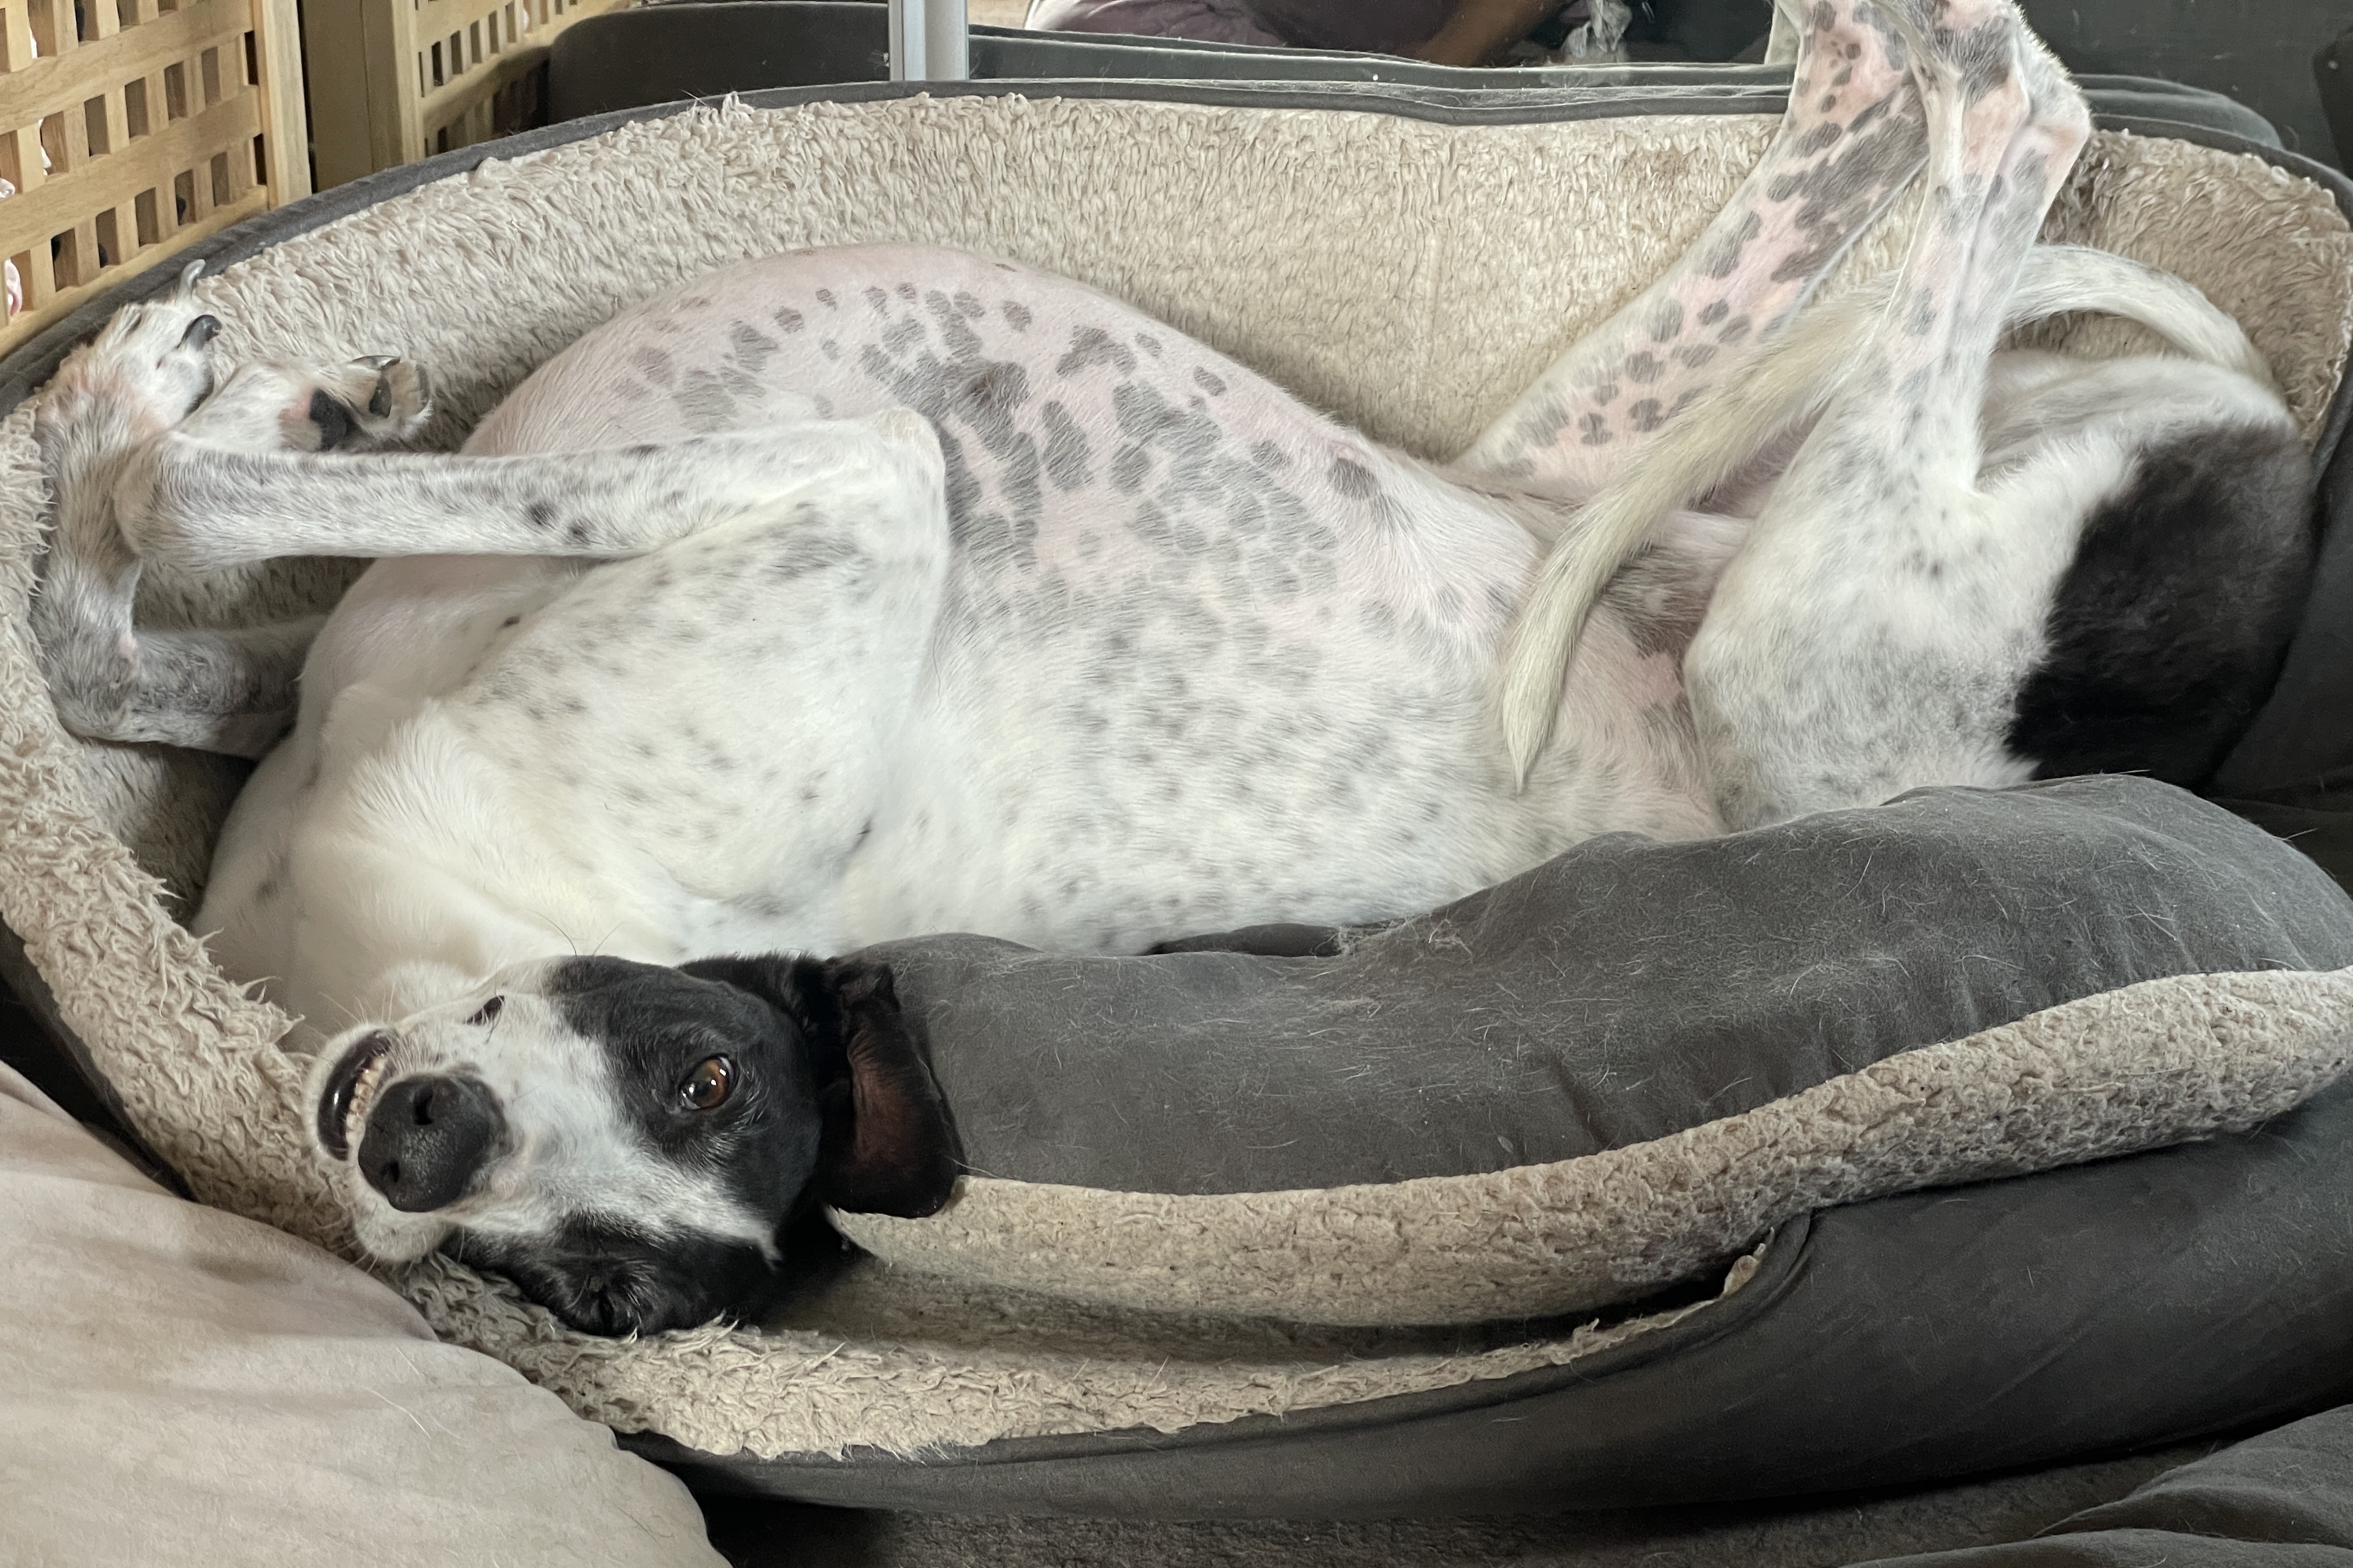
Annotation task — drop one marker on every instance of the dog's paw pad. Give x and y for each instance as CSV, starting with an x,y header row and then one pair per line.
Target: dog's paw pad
x,y
375,399
401,398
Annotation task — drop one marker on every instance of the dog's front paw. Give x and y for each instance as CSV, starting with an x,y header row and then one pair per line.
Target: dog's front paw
x,y
361,403
368,400
143,374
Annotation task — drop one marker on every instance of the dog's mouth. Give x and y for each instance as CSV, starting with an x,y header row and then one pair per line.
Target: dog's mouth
x,y
343,1104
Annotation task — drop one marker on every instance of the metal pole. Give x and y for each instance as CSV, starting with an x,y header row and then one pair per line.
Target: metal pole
x,y
929,41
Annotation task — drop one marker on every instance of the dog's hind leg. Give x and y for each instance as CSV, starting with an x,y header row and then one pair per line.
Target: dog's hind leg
x,y
1871,634
1850,142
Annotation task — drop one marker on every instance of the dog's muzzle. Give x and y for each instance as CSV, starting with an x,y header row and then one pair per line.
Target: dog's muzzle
x,y
427,1139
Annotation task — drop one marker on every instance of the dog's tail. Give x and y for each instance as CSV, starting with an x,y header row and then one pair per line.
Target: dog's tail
x,y
1786,386
2060,279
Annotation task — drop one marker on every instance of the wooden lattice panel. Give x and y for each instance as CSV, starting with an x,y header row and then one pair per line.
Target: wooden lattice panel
x,y
132,128
474,58
395,80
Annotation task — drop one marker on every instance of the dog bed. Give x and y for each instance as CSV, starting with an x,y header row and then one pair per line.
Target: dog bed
x,y
1481,1276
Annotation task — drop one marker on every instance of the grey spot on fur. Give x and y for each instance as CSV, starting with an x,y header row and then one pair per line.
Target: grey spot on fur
x,y
1066,449
1723,254
704,402
1922,317
1093,346
1353,479
752,347
788,320
1128,467
1213,384
655,366
1838,194
1016,314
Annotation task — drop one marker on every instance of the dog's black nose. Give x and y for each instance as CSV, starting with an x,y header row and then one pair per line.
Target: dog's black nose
x,y
425,1139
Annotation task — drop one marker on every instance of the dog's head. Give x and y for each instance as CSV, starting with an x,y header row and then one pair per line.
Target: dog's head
x,y
625,1140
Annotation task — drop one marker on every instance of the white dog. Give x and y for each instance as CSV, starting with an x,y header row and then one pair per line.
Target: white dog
x,y
859,594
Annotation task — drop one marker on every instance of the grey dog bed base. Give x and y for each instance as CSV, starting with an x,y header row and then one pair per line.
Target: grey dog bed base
x,y
1910,1339
1595,1078
1876,1343
803,1384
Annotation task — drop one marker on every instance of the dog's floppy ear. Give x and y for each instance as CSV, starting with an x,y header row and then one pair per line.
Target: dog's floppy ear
x,y
888,1147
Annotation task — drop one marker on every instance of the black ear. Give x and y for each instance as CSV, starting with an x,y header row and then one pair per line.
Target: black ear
x,y
889,1145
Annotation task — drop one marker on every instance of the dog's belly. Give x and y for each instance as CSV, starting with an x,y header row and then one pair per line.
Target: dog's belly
x,y
1206,656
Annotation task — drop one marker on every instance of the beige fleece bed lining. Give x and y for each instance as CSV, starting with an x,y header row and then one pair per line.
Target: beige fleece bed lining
x,y
1401,273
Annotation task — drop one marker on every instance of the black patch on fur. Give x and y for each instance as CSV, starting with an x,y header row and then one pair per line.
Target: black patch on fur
x,y
333,420
603,1275
2168,630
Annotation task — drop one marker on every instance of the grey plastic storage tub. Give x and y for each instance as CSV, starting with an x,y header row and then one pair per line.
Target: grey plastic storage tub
x,y
673,51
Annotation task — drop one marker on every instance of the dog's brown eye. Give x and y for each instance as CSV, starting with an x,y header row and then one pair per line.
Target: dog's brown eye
x,y
708,1085
489,1011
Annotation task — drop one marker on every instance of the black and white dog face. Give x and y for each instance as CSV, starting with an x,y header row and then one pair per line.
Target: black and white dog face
x,y
625,1140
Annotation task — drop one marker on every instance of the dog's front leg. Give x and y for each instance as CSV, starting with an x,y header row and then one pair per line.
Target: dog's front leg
x,y
1871,635
204,503
228,689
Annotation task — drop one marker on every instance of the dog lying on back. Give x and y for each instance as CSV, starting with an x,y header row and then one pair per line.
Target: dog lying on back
x,y
859,594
